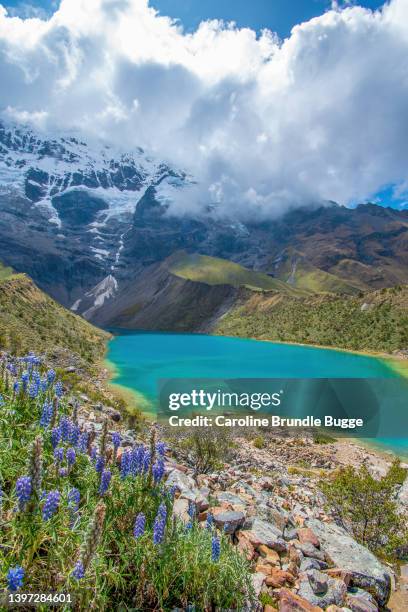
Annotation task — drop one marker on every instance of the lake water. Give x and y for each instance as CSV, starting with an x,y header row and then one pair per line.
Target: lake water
x,y
140,359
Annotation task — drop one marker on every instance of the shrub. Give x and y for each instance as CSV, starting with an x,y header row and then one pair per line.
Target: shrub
x,y
74,519
205,449
259,442
367,507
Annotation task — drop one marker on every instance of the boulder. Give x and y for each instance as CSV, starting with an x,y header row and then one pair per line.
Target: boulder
x,y
334,595
318,581
277,578
306,536
262,532
345,553
183,482
290,602
229,521
230,498
361,601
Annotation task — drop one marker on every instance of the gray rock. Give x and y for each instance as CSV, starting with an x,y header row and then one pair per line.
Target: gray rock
x,y
334,595
361,601
183,482
311,551
318,581
309,564
229,521
345,553
230,498
262,532
290,534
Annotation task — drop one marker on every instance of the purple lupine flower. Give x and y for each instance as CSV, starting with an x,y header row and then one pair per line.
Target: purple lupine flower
x,y
210,521
100,464
25,377
55,437
146,461
189,526
74,498
16,387
63,472
33,390
78,572
23,490
74,434
158,470
191,510
51,504
162,511
125,463
51,376
116,440
105,480
58,389
43,385
158,530
140,524
160,448
138,454
83,442
59,454
65,426
15,578
2,402
71,456
47,414
172,491
215,549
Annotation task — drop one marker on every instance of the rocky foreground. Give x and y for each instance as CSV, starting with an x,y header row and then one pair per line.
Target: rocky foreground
x,y
275,514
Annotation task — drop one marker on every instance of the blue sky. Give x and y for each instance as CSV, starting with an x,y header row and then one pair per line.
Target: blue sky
x,y
277,15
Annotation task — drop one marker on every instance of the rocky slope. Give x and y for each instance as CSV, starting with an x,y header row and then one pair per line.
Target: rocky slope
x,y
86,221
276,515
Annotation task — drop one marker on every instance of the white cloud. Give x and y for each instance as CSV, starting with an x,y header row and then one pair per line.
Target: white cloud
x,y
262,124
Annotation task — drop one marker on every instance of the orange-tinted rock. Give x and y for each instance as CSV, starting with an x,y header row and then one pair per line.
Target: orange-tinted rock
x,y
263,568
278,578
270,555
245,546
340,574
306,536
290,602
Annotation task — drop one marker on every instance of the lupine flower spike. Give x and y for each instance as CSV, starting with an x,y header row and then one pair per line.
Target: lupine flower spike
x,y
15,577
51,504
140,524
215,549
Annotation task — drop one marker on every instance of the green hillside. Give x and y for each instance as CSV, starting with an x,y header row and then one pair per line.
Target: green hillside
x,y
295,270
32,321
377,321
216,271
5,272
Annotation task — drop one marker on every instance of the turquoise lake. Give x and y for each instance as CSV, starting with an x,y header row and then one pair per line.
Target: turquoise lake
x,y
141,359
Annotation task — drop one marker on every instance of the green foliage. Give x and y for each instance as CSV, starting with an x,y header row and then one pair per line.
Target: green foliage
x,y
123,572
205,449
259,442
30,320
319,437
367,507
324,320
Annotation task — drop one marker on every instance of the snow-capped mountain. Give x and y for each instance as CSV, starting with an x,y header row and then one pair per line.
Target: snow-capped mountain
x,y
93,227
62,195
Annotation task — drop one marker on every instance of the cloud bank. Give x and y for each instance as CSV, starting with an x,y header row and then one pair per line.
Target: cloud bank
x,y
262,124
